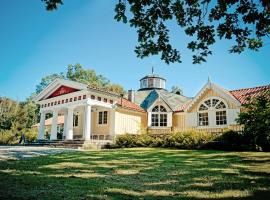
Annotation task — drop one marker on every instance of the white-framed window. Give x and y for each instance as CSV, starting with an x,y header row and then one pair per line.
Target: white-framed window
x,y
103,117
221,118
215,107
75,120
203,119
159,116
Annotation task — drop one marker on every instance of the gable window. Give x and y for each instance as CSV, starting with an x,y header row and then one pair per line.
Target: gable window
x,y
103,117
159,116
218,109
75,120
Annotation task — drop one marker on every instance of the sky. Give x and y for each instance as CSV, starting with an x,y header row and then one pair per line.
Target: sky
x,y
35,43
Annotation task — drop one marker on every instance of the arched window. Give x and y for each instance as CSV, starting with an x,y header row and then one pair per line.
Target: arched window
x,y
159,116
212,105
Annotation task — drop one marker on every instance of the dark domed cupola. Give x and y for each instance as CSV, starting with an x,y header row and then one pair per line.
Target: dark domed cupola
x,y
152,81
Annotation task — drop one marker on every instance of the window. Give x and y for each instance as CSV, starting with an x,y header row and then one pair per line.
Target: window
x,y
150,82
214,106
75,98
80,97
99,98
159,116
93,97
75,120
221,118
203,119
103,117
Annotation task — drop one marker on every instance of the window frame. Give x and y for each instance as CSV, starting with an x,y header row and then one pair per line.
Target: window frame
x,y
102,118
75,120
212,109
159,116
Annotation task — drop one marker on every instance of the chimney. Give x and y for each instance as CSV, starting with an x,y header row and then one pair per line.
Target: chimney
x,y
131,95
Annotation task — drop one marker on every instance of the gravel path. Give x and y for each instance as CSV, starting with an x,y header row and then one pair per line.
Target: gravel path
x,y
21,152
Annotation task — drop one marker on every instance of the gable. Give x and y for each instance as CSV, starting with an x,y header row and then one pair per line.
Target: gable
x,y
60,87
213,90
62,90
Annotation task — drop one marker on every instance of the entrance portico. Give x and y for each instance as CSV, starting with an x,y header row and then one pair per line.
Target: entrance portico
x,y
87,111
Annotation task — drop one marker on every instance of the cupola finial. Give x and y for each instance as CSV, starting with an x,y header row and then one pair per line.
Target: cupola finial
x,y
152,70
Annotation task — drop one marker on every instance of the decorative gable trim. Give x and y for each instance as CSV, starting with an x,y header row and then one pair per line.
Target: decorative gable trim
x,y
62,90
56,84
221,91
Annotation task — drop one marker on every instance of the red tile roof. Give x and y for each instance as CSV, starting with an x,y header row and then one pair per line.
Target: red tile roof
x,y
124,103
242,95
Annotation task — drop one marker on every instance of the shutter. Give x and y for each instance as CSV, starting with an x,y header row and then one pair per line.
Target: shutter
x,y
191,119
232,114
169,119
149,119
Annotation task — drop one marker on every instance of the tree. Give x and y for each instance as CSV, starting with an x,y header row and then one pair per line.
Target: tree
x,y
45,81
256,120
177,90
246,22
87,76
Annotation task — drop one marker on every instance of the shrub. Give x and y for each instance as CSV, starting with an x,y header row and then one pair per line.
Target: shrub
x,y
126,140
30,135
8,137
189,139
182,140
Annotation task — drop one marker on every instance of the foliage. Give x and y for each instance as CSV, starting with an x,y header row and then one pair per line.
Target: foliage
x,y
181,140
79,74
8,137
47,80
256,120
204,21
30,134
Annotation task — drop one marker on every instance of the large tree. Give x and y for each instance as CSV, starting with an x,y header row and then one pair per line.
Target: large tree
x,y
87,76
246,22
256,120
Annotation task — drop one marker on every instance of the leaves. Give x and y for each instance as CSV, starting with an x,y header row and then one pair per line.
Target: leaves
x,y
246,22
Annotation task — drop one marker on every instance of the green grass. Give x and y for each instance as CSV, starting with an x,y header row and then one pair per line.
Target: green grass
x,y
141,173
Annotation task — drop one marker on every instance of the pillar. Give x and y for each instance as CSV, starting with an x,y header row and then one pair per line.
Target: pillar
x,y
54,125
65,126
69,125
41,126
87,122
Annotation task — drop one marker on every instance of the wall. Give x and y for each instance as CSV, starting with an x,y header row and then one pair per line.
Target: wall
x,y
128,121
100,129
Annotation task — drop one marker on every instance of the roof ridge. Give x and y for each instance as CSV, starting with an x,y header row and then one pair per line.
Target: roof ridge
x,y
263,86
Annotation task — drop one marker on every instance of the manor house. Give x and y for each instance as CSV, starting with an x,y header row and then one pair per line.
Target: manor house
x,y
86,112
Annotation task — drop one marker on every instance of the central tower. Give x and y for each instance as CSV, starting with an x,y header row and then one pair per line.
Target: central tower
x,y
152,81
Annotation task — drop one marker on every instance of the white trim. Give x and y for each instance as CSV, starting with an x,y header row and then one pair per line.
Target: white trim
x,y
221,91
56,83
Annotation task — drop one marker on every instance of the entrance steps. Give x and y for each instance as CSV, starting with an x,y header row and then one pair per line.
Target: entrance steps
x,y
75,144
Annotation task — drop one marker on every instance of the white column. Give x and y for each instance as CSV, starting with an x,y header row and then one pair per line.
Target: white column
x,y
54,125
41,126
149,119
87,122
69,126
112,123
65,125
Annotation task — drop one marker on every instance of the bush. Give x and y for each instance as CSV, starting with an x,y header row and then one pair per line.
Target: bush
x,y
182,140
189,139
230,141
8,137
30,135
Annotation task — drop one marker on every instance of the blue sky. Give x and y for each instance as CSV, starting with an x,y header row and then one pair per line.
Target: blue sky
x,y
36,43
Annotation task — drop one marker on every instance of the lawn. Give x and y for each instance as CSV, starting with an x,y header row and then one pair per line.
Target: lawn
x,y
141,173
